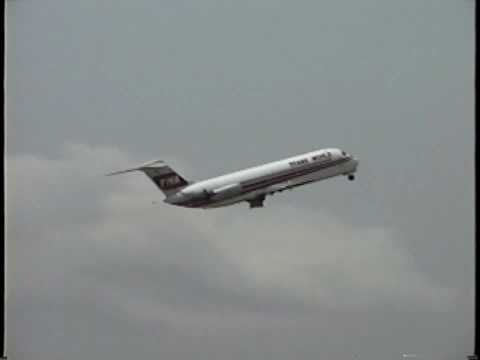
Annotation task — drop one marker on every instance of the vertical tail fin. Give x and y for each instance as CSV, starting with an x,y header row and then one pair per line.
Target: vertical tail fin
x,y
164,177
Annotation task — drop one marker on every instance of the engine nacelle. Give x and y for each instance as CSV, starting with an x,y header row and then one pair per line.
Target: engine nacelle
x,y
226,191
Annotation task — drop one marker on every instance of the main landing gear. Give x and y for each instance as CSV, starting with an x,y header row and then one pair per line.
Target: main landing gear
x,y
257,202
351,177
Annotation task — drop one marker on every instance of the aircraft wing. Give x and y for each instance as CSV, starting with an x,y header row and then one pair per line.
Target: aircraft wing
x,y
278,188
284,186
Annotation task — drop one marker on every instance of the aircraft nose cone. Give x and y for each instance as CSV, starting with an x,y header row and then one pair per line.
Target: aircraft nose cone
x,y
353,161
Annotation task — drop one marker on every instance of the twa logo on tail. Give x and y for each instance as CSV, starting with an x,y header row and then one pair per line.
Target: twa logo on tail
x,y
167,182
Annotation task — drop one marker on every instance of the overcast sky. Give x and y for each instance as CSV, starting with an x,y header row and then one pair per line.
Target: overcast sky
x,y
337,270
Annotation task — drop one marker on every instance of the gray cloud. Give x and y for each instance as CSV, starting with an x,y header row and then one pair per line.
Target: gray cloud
x,y
115,255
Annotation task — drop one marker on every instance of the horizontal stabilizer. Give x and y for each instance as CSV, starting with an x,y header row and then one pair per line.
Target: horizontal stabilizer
x,y
138,168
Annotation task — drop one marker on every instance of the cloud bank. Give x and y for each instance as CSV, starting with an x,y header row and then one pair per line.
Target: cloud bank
x,y
89,244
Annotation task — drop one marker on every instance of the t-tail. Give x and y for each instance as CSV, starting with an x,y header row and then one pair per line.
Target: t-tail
x,y
164,177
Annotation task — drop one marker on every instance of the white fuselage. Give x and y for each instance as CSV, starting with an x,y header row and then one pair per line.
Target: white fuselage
x,y
259,181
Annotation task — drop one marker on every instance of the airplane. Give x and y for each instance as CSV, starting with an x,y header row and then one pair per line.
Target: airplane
x,y
250,185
